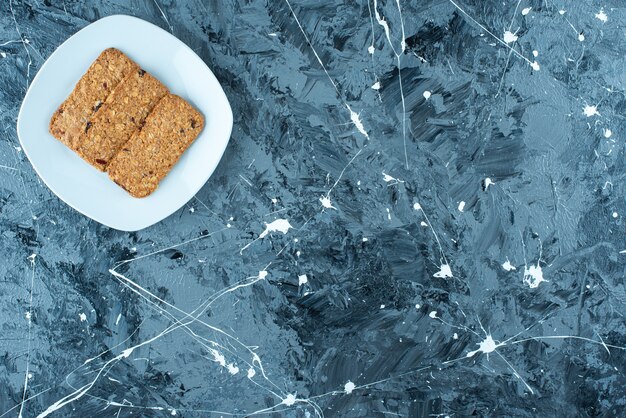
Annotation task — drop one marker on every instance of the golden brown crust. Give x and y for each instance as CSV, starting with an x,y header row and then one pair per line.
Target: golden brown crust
x,y
119,117
152,152
104,74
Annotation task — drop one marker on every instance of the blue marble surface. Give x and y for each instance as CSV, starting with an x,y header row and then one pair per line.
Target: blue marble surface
x,y
419,214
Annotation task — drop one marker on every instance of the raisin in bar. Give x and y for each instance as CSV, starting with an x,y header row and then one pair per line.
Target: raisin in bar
x,y
152,152
119,117
104,74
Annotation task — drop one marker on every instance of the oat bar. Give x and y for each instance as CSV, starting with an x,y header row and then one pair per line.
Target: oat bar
x,y
152,152
104,74
119,117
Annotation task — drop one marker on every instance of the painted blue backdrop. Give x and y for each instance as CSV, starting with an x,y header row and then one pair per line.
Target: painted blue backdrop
x,y
420,213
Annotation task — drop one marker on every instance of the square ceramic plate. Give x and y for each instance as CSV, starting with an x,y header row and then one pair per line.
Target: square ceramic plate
x,y
82,186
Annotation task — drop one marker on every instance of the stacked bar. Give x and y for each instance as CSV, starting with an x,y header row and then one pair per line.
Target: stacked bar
x,y
119,117
122,120
106,72
152,152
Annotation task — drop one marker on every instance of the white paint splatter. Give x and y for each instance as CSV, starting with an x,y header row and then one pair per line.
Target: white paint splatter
x,y
348,387
461,206
289,400
427,94
533,276
387,178
356,120
381,21
488,345
526,10
590,110
325,200
444,272
232,369
602,16
279,225
82,317
376,85
509,37
433,314
508,266
608,133
302,279
218,358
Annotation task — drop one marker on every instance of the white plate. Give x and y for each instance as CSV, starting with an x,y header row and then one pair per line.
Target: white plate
x,y
82,186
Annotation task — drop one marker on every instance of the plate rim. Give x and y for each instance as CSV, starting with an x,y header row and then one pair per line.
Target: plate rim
x,y
121,226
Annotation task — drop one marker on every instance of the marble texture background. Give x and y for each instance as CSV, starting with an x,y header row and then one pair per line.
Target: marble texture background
x,y
419,214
